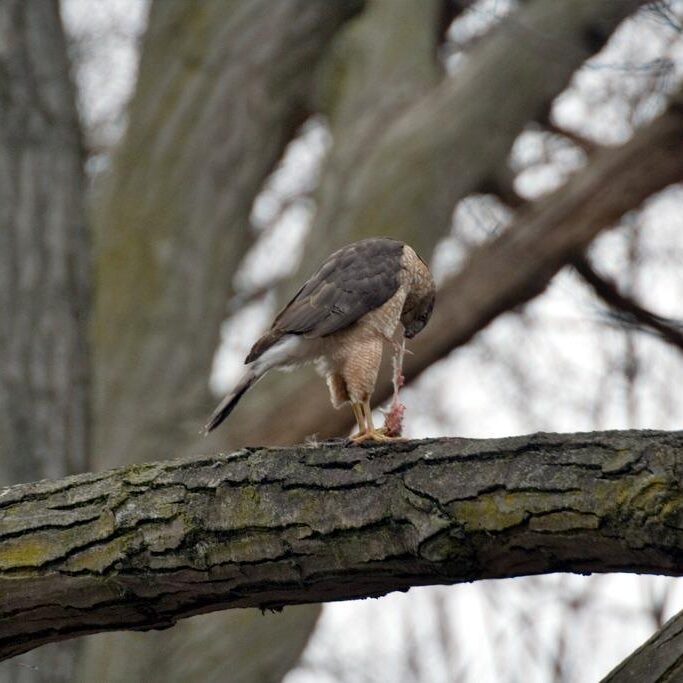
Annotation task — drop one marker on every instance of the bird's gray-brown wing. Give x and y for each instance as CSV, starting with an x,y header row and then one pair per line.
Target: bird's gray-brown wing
x,y
353,281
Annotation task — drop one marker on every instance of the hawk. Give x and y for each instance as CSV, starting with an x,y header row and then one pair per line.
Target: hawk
x,y
367,293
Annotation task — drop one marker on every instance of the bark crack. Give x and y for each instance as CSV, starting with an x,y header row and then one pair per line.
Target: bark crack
x,y
270,527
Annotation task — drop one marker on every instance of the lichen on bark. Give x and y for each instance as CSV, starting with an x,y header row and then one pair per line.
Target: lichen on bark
x,y
143,546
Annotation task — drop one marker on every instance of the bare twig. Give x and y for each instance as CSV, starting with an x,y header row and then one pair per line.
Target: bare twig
x,y
631,311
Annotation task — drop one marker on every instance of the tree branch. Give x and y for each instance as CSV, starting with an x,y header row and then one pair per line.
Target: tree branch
x,y
449,141
143,546
551,234
584,143
631,311
657,660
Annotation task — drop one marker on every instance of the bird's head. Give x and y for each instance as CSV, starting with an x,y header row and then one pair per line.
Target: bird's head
x,y
416,317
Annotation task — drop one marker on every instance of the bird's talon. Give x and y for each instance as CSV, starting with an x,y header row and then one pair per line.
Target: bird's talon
x,y
376,435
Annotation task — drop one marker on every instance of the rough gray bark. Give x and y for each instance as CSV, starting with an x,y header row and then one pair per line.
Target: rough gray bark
x,y
525,257
659,660
44,374
405,154
143,546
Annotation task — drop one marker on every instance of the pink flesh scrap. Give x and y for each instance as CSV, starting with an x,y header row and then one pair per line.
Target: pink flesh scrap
x,y
393,418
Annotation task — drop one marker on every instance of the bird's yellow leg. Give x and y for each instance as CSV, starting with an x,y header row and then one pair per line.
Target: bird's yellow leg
x,y
367,411
360,419
370,433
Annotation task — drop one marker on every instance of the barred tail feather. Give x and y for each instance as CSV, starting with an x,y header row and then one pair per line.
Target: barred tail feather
x,y
226,406
275,351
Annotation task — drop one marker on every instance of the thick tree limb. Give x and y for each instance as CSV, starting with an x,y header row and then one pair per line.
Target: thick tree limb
x,y
143,546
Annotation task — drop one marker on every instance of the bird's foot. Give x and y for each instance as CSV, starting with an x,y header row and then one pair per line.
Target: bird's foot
x,y
388,435
377,435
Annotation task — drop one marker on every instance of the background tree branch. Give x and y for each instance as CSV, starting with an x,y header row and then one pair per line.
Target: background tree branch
x,y
542,239
410,156
627,310
143,546
658,660
400,164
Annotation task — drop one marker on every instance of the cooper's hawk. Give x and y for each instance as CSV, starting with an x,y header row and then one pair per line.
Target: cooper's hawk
x,y
367,293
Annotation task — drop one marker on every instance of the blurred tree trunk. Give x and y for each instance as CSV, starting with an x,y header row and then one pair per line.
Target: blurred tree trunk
x,y
43,251
44,255
223,87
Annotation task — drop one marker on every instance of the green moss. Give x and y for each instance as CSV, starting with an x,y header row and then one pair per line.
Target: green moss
x,y
29,552
647,494
444,547
497,511
486,514
100,557
564,521
34,550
